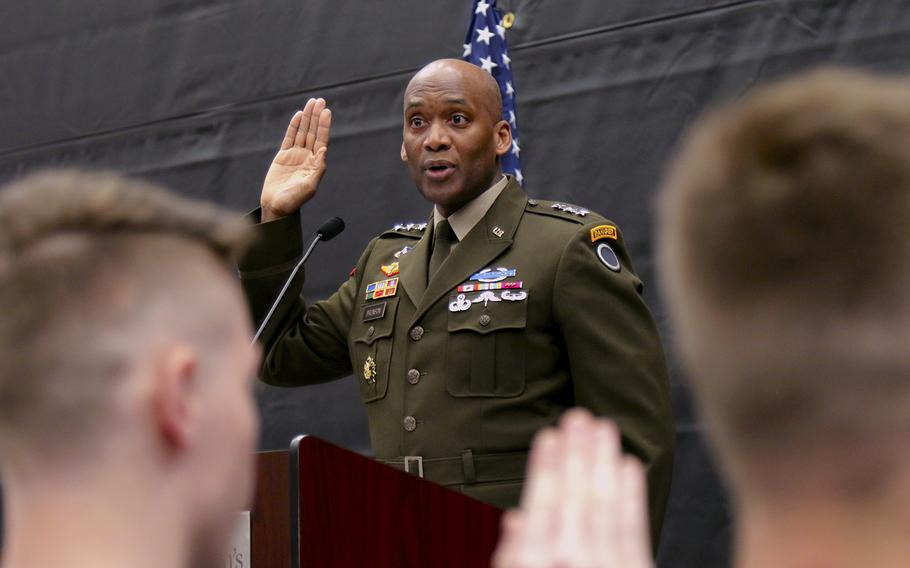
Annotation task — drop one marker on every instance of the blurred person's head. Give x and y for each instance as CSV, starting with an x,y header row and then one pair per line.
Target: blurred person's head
x,y
786,262
125,364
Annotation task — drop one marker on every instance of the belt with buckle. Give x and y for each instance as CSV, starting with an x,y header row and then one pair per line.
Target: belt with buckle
x,y
466,468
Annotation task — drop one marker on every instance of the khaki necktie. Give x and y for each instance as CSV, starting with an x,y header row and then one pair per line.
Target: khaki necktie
x,y
443,240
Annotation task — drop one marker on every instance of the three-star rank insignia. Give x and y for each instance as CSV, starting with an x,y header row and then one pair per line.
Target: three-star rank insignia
x,y
603,232
389,269
369,370
382,289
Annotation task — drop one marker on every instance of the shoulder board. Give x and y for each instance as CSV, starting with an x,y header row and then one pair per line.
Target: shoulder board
x,y
561,210
414,230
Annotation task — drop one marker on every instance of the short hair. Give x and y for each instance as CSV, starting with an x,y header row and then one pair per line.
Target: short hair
x,y
93,268
782,237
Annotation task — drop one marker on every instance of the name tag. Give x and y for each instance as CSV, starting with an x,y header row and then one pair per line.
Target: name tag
x,y
374,311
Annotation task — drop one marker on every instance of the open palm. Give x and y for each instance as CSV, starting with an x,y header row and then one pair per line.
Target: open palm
x,y
300,162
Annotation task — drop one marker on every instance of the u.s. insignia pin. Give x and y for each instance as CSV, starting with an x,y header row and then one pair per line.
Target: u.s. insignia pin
x,y
369,370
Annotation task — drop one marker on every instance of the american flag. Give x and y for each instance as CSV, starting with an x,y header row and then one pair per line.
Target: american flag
x,y
485,46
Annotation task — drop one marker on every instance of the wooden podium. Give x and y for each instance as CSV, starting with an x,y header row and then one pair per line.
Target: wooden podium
x,y
321,506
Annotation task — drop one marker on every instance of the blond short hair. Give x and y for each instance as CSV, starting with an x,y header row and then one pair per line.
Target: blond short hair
x,y
782,237
93,267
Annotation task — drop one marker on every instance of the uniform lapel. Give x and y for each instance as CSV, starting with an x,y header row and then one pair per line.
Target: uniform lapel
x,y
412,267
487,240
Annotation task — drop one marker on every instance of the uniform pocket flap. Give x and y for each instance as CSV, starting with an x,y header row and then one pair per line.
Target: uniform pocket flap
x,y
376,320
471,313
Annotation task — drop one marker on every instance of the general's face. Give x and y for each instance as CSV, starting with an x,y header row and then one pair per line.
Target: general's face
x,y
451,140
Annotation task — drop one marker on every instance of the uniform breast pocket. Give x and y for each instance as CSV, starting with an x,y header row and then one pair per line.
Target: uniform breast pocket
x,y
487,348
371,347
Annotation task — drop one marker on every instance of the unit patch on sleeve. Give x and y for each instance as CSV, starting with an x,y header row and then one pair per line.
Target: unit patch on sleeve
x,y
603,232
382,289
608,256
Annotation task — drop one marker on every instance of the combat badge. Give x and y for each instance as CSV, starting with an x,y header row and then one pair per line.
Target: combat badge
x,y
603,232
486,297
389,269
490,275
369,370
459,304
514,295
608,257
382,289
462,302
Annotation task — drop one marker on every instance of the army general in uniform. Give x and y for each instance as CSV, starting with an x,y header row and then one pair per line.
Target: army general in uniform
x,y
471,331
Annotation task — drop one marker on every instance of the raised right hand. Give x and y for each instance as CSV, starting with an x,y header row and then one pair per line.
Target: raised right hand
x,y
300,162
584,503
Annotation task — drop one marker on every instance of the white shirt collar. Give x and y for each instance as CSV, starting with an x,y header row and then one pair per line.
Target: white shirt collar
x,y
467,217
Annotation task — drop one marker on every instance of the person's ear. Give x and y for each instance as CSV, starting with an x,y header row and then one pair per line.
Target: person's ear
x,y
175,405
404,153
503,135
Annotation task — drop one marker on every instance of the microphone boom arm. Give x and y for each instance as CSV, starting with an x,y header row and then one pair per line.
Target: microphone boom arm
x,y
327,231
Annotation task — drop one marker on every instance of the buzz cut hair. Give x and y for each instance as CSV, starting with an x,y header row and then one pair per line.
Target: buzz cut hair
x,y
95,269
782,238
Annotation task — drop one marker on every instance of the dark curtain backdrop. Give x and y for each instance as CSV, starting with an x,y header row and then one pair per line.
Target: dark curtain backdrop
x,y
196,94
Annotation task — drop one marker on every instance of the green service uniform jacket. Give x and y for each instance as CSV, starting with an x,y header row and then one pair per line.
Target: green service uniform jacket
x,y
462,372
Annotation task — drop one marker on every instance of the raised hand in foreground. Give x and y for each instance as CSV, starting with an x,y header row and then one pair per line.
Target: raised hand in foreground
x,y
584,504
300,162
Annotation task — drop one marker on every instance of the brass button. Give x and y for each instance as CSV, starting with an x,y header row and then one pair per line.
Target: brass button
x,y
417,333
371,331
410,423
485,319
413,376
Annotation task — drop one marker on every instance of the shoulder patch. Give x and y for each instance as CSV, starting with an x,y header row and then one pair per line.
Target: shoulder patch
x,y
608,257
604,232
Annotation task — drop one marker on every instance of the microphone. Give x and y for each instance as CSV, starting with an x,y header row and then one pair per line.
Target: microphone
x,y
330,229
326,232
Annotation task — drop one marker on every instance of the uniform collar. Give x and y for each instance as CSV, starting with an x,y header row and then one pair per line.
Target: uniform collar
x,y
467,217
491,236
